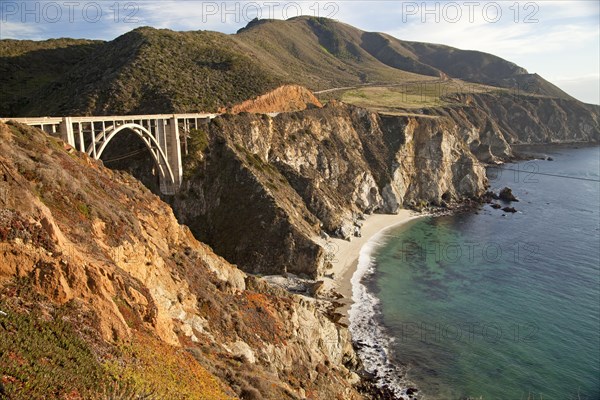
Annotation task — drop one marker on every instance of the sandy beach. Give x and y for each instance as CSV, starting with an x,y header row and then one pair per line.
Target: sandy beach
x,y
346,254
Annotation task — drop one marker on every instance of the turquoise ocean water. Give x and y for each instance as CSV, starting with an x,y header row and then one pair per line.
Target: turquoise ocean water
x,y
490,304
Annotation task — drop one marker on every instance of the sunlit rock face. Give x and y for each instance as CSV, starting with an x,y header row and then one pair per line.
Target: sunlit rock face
x,y
262,189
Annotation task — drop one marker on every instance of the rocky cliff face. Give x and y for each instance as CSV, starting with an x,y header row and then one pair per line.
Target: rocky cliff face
x,y
287,179
286,98
90,241
262,189
490,123
529,119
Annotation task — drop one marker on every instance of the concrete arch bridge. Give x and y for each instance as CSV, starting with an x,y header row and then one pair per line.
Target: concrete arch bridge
x,y
165,135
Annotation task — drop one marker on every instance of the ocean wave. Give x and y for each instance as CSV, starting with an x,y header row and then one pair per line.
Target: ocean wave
x,y
371,341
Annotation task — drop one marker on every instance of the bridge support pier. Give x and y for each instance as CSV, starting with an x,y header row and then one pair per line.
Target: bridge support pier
x,y
174,151
66,131
167,137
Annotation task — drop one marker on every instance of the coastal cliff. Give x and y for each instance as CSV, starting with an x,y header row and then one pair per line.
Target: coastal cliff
x,y
491,123
528,119
292,178
93,259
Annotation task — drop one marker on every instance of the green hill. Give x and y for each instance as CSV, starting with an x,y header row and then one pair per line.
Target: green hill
x,y
28,67
149,70
318,53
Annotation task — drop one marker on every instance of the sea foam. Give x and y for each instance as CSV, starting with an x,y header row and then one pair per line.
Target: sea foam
x,y
372,342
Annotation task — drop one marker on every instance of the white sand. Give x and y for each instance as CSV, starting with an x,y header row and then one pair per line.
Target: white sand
x,y
346,253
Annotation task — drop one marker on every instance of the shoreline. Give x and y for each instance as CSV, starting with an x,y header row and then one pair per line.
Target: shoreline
x,y
356,309
346,255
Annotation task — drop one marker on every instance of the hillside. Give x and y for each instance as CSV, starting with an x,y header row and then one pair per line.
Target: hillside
x,y
27,68
104,295
150,71
467,65
318,53
154,71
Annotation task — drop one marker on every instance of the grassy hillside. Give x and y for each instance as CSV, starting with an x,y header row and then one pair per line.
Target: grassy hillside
x,y
149,70
479,67
318,53
28,67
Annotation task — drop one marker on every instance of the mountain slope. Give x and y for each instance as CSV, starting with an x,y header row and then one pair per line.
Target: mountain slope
x,y
151,71
479,67
318,53
29,67
368,57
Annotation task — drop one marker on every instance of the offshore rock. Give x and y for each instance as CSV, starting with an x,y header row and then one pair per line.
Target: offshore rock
x,y
506,194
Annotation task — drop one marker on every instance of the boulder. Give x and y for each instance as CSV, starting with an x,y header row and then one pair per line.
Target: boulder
x,y
316,288
242,351
506,194
489,195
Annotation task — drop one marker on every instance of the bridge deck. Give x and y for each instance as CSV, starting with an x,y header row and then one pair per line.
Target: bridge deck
x,y
58,120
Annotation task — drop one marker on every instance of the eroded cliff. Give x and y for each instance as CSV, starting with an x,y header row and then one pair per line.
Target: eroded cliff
x,y
522,118
285,98
261,189
92,257
490,123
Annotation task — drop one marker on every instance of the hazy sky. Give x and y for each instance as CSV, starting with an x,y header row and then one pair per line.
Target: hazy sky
x,y
559,40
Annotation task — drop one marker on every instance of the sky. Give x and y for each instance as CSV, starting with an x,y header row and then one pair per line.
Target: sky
x,y
559,40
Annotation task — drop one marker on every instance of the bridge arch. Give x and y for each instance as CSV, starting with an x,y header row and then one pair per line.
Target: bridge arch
x,y
102,140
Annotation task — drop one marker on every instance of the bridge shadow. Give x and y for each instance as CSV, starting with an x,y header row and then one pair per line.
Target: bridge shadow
x,y
127,152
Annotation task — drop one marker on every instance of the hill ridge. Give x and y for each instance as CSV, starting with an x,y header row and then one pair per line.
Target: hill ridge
x,y
159,70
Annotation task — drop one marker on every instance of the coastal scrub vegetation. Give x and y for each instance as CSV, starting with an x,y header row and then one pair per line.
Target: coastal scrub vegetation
x,y
27,67
197,143
152,70
42,354
144,71
332,40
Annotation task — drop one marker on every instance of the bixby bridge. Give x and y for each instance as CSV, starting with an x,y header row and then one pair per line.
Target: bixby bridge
x,y
163,134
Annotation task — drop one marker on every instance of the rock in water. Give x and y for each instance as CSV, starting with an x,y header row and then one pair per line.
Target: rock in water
x,y
509,209
506,194
496,206
489,195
